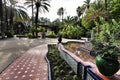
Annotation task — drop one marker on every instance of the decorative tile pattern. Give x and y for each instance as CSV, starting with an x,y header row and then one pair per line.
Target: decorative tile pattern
x,y
30,66
23,76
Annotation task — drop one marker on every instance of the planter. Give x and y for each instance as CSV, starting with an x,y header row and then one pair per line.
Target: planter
x,y
107,66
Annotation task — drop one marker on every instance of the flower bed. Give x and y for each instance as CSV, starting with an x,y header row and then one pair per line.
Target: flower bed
x,y
59,68
75,47
85,58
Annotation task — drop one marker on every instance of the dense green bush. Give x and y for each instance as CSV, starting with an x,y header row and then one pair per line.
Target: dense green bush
x,y
29,35
51,34
108,33
107,40
9,34
40,29
71,32
33,30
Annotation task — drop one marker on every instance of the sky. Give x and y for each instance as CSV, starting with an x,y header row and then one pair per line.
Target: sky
x,y
70,7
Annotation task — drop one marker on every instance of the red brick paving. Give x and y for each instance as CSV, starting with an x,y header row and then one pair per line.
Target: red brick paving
x,y
30,66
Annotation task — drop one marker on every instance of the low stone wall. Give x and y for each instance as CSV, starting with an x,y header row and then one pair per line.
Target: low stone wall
x,y
85,69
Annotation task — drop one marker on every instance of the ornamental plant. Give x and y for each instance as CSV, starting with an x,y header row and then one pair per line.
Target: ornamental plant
x,y
107,41
71,31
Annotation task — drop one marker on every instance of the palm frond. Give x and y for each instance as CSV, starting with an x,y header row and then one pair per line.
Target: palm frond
x,y
13,2
27,2
47,4
46,8
21,14
22,7
29,6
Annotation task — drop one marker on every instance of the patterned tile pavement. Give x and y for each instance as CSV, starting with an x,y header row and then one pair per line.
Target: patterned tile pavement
x,y
30,66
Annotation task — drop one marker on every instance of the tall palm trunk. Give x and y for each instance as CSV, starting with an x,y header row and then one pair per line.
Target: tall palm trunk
x,y
1,16
62,13
36,18
11,18
32,14
6,15
62,18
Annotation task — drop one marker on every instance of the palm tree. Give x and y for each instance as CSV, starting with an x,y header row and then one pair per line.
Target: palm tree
x,y
87,3
41,5
61,12
16,12
85,6
79,12
30,3
1,15
6,13
71,20
95,12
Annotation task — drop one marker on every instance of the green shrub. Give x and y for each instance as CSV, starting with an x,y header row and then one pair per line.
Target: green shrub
x,y
9,34
51,34
71,32
30,35
40,29
60,70
108,33
32,29
58,78
75,77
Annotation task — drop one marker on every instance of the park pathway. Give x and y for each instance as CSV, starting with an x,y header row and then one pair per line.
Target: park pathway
x,y
30,66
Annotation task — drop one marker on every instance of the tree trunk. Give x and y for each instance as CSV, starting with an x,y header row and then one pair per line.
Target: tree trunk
x,y
1,16
6,16
32,14
11,19
62,18
36,19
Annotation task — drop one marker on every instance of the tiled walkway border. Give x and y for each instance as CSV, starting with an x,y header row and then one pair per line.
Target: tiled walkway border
x,y
48,64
